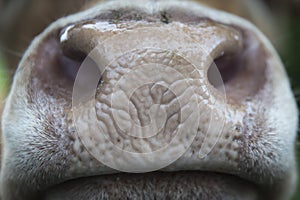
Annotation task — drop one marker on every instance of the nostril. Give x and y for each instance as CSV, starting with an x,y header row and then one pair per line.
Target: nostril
x,y
242,73
223,69
72,52
68,67
60,65
55,68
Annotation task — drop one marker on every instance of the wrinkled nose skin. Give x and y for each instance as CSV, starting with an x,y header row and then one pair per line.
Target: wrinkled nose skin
x,y
124,98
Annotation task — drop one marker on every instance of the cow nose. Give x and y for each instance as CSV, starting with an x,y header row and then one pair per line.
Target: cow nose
x,y
148,95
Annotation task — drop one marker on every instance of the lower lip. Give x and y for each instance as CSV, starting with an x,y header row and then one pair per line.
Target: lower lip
x,y
156,185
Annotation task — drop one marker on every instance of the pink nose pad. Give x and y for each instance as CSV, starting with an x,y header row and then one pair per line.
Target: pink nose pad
x,y
154,93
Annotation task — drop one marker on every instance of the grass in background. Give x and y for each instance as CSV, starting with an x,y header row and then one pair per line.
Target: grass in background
x,y
4,79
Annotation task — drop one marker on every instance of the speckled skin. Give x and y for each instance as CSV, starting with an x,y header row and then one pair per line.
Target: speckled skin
x,y
248,133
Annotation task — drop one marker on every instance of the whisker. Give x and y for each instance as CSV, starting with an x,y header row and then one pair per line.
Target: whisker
x,y
11,52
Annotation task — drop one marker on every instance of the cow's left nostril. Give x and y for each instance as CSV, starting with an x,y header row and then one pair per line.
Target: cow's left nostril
x,y
227,66
242,73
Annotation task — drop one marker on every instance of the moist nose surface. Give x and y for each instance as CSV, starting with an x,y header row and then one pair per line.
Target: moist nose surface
x,y
152,92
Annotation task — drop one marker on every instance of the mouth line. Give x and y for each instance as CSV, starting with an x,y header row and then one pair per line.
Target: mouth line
x,y
157,185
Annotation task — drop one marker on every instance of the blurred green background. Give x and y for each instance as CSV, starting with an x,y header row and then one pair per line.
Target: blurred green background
x,y
291,59
4,79
287,15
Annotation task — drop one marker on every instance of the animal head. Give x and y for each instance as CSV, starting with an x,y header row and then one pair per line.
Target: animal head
x,y
149,99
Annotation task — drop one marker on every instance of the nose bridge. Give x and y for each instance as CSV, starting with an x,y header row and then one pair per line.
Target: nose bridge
x,y
200,44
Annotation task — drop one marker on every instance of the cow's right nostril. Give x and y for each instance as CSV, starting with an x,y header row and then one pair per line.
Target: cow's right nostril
x,y
68,67
72,50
